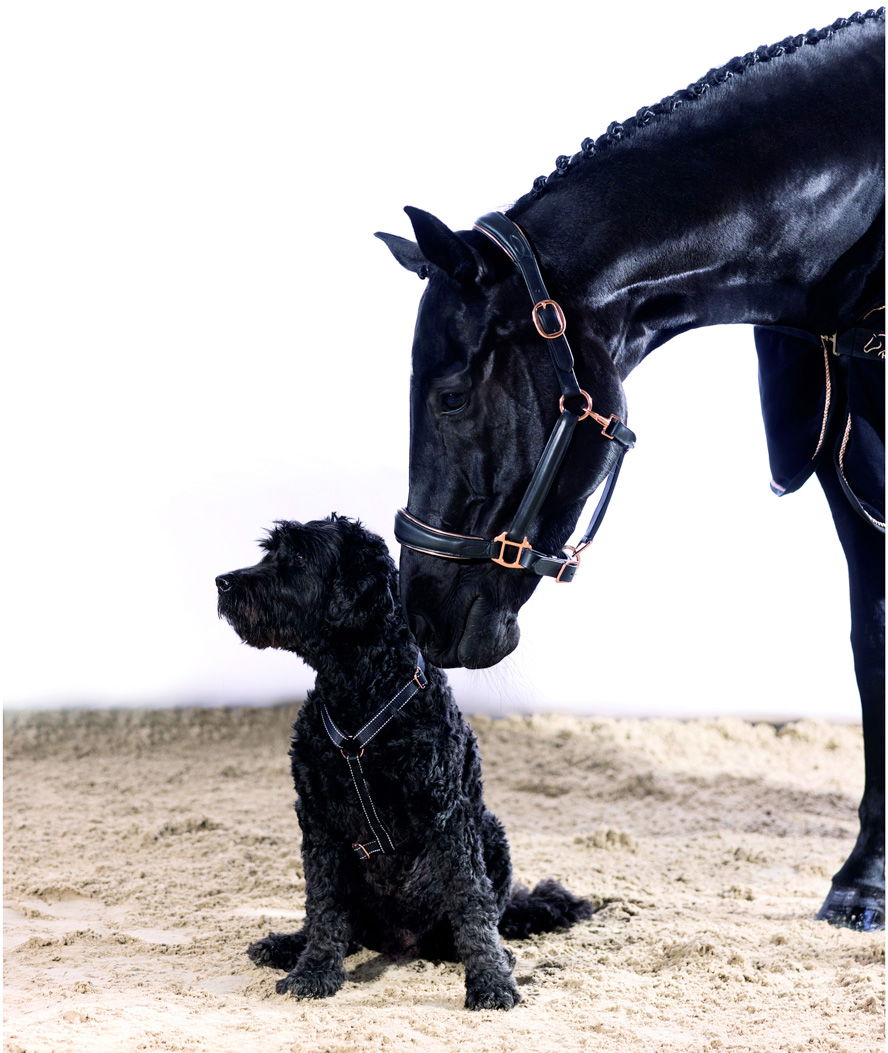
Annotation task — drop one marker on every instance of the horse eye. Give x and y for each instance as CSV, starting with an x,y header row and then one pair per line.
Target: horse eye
x,y
453,400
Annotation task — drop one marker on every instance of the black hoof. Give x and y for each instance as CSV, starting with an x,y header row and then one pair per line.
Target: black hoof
x,y
854,908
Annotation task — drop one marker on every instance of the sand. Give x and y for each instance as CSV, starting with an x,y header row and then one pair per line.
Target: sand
x,y
144,850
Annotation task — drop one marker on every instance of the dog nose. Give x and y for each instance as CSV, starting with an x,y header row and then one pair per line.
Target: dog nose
x,y
223,584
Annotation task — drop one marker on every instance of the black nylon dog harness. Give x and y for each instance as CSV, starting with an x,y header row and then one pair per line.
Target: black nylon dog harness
x,y
352,749
548,318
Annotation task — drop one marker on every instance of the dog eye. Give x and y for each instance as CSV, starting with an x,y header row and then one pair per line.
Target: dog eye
x,y
451,401
298,558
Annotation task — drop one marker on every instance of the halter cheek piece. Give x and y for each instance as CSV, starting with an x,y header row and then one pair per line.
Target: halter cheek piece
x,y
511,548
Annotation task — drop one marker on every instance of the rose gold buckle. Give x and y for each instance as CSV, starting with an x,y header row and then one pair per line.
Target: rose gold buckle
x,y
520,545
420,680
559,314
573,560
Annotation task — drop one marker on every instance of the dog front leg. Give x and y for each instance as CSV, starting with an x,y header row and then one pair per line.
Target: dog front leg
x,y
472,912
319,972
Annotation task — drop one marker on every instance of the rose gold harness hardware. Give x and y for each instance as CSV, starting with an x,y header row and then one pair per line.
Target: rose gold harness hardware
x,y
572,561
559,314
521,546
605,422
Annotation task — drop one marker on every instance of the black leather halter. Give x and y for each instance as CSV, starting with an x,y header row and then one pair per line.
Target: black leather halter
x,y
511,548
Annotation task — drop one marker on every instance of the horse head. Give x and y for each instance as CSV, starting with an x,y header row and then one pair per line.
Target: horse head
x,y
483,401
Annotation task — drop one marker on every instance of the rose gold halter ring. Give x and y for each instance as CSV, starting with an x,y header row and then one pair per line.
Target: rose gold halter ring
x,y
589,412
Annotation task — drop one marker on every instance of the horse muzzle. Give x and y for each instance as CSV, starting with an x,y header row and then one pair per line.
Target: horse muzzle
x,y
486,637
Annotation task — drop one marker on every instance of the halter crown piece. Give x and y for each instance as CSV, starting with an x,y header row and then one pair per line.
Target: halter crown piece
x,y
511,548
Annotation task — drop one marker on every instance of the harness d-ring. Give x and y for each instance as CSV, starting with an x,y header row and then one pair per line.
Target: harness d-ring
x,y
587,409
605,422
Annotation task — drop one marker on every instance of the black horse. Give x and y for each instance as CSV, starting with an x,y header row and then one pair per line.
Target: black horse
x,y
756,196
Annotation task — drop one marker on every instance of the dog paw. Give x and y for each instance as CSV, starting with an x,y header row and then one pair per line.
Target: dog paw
x,y
278,950
494,992
301,983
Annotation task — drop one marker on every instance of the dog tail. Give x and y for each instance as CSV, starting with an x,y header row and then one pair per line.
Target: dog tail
x,y
548,907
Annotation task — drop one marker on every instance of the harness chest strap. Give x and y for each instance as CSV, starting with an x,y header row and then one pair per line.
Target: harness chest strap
x,y
351,747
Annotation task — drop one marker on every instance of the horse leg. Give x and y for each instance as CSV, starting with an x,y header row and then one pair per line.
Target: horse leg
x,y
857,896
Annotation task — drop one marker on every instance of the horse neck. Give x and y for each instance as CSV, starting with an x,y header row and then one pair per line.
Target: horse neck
x,y
758,203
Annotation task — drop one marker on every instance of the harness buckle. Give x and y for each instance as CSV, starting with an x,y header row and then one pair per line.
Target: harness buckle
x,y
573,560
559,314
419,679
521,546
349,747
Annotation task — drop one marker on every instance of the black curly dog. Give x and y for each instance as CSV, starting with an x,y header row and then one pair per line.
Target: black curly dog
x,y
399,852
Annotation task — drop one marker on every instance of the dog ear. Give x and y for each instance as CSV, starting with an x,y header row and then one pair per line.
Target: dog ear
x,y
365,587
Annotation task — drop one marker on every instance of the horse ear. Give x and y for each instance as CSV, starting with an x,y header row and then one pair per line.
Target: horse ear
x,y
441,246
407,253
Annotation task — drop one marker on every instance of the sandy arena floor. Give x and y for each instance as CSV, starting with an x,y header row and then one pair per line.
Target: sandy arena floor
x,y
144,850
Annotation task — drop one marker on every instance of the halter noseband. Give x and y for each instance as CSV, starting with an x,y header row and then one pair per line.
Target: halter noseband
x,y
506,549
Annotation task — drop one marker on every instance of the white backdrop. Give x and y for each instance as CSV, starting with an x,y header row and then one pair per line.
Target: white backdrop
x,y
204,336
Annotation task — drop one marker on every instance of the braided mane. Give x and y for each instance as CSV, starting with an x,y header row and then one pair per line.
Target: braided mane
x,y
618,131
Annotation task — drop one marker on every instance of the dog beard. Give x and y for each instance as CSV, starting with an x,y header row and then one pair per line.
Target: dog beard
x,y
244,614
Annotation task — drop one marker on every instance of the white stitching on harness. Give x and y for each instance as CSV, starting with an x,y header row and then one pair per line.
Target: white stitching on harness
x,y
370,721
393,712
373,806
358,792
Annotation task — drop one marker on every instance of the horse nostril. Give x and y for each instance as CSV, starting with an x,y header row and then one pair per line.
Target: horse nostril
x,y
223,584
